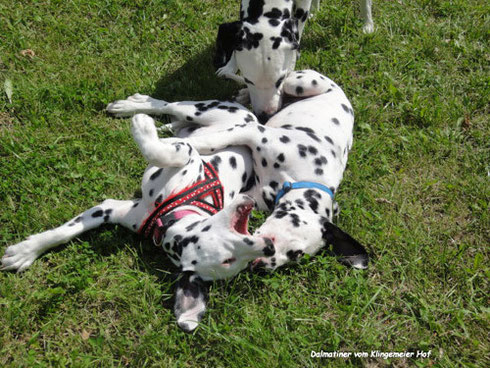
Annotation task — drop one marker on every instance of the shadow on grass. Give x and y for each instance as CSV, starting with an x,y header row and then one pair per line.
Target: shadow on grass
x,y
195,80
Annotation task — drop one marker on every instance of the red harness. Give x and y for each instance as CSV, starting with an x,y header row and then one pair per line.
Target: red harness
x,y
193,196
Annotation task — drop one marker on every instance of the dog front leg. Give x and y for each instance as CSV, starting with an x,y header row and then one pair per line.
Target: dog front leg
x,y
136,104
301,11
20,256
367,16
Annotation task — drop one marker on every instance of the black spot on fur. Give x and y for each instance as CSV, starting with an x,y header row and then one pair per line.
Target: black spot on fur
x,y
215,162
269,250
295,219
276,42
279,81
150,193
294,255
284,139
335,121
314,82
194,262
136,204
299,90
248,241
191,226
156,174
274,22
233,163
281,157
206,228
264,162
158,200
328,139
312,150
98,213
249,118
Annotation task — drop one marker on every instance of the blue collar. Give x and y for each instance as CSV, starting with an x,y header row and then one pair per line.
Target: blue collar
x,y
287,186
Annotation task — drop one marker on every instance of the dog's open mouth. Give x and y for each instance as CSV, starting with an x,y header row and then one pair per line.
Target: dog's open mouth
x,y
240,218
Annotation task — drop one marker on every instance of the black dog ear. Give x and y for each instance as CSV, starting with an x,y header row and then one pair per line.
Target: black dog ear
x,y
227,41
191,297
350,251
290,33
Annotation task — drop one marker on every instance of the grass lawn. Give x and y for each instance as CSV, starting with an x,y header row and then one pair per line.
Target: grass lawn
x,y
415,191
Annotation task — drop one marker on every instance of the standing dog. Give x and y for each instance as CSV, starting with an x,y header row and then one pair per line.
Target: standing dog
x,y
263,45
183,193
299,158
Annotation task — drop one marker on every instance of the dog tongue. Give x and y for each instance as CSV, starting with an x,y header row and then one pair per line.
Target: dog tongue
x,y
241,223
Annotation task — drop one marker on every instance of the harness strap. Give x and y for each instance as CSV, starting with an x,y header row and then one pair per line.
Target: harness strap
x,y
287,186
193,195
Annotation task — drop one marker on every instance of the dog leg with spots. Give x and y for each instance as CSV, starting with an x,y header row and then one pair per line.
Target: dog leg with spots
x,y
20,256
186,113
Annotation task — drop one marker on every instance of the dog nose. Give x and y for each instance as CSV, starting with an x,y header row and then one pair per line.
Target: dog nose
x,y
263,117
269,249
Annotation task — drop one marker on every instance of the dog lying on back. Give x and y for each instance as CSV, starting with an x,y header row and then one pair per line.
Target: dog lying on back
x,y
191,204
264,45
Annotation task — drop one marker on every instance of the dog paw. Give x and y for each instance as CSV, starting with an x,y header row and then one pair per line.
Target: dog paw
x,y
143,128
129,106
243,96
368,28
19,257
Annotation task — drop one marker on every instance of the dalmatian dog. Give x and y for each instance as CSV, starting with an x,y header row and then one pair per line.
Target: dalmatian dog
x,y
264,45
191,203
299,158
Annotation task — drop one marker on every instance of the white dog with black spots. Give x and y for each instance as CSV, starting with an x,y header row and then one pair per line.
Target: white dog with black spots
x,y
263,47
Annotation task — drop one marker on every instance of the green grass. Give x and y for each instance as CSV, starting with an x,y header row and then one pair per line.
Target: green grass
x,y
416,189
